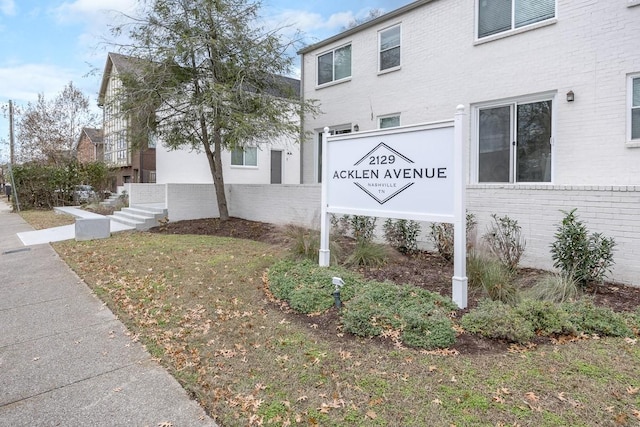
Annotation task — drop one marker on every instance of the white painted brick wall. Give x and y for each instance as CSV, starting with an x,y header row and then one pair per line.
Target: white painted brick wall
x,y
276,204
191,201
145,193
591,49
611,210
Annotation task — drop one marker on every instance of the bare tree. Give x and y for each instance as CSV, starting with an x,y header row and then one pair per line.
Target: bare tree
x,y
371,15
48,130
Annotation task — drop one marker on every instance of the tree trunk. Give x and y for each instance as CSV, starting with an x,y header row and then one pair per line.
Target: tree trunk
x,y
215,165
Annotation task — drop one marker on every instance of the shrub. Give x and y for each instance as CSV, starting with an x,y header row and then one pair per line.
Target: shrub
x,y
442,234
546,317
497,281
360,227
494,319
420,316
308,287
402,235
306,244
591,319
475,264
586,258
555,288
505,241
366,253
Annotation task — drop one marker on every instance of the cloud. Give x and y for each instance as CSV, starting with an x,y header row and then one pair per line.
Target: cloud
x,y
93,12
312,24
8,7
23,82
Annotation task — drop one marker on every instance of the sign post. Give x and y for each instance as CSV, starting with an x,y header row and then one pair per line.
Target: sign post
x,y
409,172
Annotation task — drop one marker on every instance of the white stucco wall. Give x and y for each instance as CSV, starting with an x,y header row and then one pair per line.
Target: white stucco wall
x,y
589,48
187,166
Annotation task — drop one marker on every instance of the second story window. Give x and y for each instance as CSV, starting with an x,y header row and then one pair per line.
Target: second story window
x,y
389,48
634,111
334,65
497,16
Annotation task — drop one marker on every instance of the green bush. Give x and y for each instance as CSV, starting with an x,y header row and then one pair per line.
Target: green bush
x,y
505,241
402,235
475,264
497,281
497,320
366,253
555,288
591,319
307,287
306,244
421,317
587,258
546,317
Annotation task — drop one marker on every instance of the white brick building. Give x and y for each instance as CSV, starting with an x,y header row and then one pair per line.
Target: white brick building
x,y
552,92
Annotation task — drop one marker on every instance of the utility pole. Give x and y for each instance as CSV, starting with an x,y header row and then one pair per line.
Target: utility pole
x,y
12,158
11,152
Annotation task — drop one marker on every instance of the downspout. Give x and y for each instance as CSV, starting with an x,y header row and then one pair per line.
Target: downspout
x,y
301,159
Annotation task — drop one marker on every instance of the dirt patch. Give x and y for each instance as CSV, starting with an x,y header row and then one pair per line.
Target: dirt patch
x,y
425,269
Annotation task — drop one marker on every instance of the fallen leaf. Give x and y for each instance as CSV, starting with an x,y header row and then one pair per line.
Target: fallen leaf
x,y
437,401
531,397
372,415
633,390
631,341
560,396
302,399
636,413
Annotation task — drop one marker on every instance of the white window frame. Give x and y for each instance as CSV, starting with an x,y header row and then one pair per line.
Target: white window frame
x,y
513,30
333,66
388,116
333,130
244,158
630,107
380,33
514,101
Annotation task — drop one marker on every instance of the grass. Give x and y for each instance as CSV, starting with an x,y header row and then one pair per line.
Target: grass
x,y
198,304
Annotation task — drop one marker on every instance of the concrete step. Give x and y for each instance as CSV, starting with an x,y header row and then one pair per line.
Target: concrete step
x,y
142,218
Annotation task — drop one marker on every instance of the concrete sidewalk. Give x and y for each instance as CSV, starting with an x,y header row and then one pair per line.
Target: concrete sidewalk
x,y
65,360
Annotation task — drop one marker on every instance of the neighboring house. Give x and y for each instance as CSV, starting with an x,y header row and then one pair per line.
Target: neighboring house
x,y
551,90
132,165
89,147
263,162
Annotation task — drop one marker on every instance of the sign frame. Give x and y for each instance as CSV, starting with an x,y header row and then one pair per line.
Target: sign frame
x,y
451,134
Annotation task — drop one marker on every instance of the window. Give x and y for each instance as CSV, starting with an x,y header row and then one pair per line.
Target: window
x,y
389,121
389,48
514,142
334,65
247,156
333,131
634,109
497,16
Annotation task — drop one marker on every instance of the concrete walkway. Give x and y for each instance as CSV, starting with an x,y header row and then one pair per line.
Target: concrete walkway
x,y
65,360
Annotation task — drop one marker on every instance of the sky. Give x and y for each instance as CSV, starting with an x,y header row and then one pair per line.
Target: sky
x,y
45,44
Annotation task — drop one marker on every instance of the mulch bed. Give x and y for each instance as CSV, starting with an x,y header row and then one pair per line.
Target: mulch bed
x,y
425,269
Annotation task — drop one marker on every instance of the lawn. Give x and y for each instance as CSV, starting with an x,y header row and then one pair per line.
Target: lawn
x,y
198,304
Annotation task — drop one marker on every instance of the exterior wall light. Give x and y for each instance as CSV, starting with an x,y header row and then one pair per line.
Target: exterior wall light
x,y
570,96
356,128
